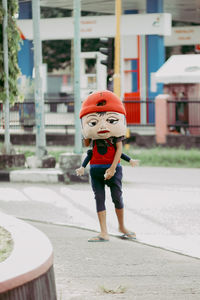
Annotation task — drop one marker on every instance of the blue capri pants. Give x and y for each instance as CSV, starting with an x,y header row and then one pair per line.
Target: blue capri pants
x,y
98,185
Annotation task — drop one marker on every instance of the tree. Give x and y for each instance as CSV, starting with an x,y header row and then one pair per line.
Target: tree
x,y
9,70
13,47
57,53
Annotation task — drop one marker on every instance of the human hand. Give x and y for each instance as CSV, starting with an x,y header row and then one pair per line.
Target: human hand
x,y
134,162
80,171
109,173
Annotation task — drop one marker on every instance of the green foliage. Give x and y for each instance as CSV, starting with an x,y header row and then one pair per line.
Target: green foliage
x,y
13,47
118,290
57,53
155,157
54,12
165,157
6,244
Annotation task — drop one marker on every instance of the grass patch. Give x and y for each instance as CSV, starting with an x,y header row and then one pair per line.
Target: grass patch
x,y
54,151
118,290
6,244
157,156
56,154
166,157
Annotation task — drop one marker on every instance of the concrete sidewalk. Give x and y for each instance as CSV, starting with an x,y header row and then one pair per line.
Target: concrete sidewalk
x,y
118,269
38,175
161,204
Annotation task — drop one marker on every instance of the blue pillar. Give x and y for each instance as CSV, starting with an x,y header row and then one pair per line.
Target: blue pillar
x,y
25,54
155,56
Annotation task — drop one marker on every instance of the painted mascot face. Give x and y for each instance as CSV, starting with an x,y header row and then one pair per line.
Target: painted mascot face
x,y
102,125
103,116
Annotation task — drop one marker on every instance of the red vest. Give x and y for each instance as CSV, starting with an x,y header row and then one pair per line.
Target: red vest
x,y
103,159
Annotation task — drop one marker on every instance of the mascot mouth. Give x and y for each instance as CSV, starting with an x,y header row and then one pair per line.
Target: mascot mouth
x,y
103,131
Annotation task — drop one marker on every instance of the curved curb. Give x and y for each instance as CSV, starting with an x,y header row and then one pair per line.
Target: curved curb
x,y
32,255
41,175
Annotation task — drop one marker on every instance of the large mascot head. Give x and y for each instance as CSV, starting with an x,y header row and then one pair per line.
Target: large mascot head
x,y
103,116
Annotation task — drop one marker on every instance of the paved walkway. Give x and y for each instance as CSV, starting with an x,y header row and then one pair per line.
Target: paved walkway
x,y
161,204
118,269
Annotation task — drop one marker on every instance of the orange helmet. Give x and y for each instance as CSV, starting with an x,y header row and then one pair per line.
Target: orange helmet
x,y
102,101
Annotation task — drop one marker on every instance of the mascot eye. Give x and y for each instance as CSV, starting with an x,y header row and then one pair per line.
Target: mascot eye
x,y
92,123
112,120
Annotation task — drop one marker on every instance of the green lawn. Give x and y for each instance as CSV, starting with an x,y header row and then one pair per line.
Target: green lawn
x,y
6,244
166,157
158,156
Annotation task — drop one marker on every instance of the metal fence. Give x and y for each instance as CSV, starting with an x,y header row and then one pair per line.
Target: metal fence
x,y
58,116
184,116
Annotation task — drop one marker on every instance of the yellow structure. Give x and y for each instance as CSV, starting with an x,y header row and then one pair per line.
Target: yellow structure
x,y
117,79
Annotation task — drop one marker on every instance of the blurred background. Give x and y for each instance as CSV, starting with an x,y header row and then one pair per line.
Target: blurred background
x,y
159,54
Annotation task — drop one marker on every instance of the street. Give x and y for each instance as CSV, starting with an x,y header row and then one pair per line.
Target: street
x,y
162,205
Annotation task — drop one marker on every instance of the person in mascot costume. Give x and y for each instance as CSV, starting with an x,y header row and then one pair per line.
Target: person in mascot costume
x,y
103,119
